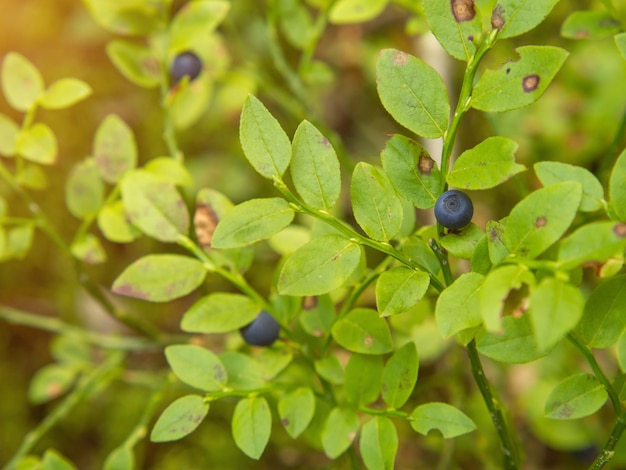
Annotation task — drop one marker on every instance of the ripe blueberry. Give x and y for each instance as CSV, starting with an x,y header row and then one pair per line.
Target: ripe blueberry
x,y
185,64
454,209
263,331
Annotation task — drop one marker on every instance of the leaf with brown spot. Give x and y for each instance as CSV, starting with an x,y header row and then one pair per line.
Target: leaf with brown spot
x,y
455,24
575,397
514,17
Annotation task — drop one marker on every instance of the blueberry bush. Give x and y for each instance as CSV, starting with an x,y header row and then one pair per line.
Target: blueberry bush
x,y
298,208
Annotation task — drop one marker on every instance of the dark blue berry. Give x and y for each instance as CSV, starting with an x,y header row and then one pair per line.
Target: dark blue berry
x,y
454,209
185,64
263,331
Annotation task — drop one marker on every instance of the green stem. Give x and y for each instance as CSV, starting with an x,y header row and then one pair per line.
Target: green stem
x,y
599,374
87,385
507,444
606,455
614,148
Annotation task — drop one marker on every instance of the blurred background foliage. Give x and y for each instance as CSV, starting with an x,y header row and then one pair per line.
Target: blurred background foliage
x,y
577,121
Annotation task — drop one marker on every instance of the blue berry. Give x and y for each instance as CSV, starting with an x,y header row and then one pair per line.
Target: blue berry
x,y
185,64
454,209
263,331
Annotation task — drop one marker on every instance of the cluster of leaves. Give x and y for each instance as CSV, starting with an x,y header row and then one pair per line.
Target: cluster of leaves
x,y
541,248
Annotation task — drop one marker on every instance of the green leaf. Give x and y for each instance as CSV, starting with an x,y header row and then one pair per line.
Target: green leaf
x,y
114,149
556,172
595,242
252,426
400,289
480,262
355,11
400,375
135,17
518,83
273,360
64,93
495,289
252,221
296,410
315,168
52,460
84,189
447,419
50,382
197,367
458,306
340,429
461,243
264,142
244,372
318,315
363,331
190,102
590,24
320,266
495,241
160,278
621,352
617,188
22,83
38,144
376,207
412,172
419,251
329,368
541,218
516,345
71,350
154,206
363,379
379,443
180,418
620,42
88,249
9,131
114,224
135,62
31,176
194,21
220,312
17,241
556,307
603,318
170,170
575,397
457,25
485,166
514,17
413,93
121,458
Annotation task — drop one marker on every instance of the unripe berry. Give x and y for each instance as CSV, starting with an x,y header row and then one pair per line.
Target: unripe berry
x,y
185,64
454,209
263,331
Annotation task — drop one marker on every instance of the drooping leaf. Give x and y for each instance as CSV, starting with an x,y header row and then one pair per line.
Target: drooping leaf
x,y
556,172
400,289
413,93
617,188
154,206
135,62
541,218
376,207
339,431
219,312
589,24
355,11
84,189
252,221
518,83
22,83
457,25
296,410
320,266
363,331
576,397
315,168
363,379
252,426
514,17
264,142
555,309
447,419
379,443
180,418
413,173
400,375
603,318
197,366
64,93
114,148
485,166
38,144
160,278
458,306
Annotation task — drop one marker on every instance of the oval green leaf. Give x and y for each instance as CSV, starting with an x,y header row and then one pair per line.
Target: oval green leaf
x,y
355,11
197,367
447,419
575,397
515,345
556,172
64,93
38,144
219,313
400,375
180,419
617,188
457,25
296,410
603,318
363,379
458,306
363,331
22,83
340,429
592,243
84,189
400,289
514,17
135,62
379,443
114,148
252,426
